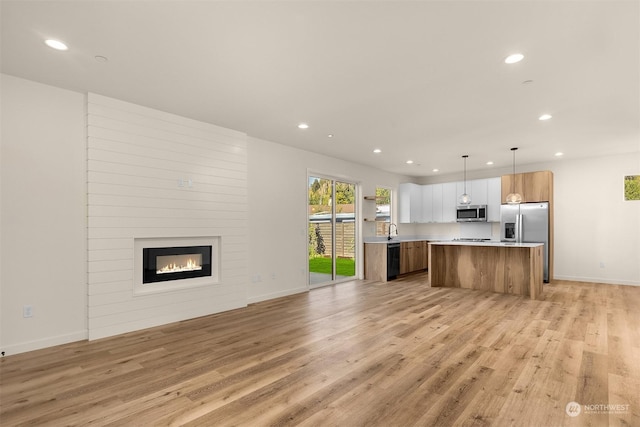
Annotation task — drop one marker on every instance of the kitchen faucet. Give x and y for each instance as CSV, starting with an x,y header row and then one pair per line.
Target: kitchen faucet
x,y
389,237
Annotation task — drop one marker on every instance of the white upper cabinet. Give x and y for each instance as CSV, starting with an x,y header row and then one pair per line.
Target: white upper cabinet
x,y
479,191
416,203
494,195
409,203
449,201
438,202
436,207
427,203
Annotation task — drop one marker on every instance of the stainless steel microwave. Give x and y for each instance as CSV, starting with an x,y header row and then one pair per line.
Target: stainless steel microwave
x,y
471,213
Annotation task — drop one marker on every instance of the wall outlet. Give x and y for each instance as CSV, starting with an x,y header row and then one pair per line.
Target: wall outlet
x,y
601,264
27,311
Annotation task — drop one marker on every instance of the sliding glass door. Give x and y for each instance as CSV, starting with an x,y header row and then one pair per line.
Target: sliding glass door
x,y
332,230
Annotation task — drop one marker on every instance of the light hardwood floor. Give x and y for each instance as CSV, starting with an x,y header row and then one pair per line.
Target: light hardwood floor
x,y
354,354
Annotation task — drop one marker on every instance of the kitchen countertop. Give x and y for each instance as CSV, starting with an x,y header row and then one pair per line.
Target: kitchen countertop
x,y
448,241
397,239
488,243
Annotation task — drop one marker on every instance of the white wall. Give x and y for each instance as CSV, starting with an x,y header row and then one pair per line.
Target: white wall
x,y
43,220
157,175
278,212
593,223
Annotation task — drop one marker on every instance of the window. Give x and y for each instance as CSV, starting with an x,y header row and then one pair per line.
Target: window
x,y
632,187
383,210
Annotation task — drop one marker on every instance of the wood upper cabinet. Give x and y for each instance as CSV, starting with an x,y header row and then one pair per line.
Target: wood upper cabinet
x,y
532,186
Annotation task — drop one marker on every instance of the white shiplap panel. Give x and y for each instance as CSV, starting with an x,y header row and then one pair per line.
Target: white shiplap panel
x,y
100,266
233,152
110,276
233,171
100,200
178,231
110,254
94,121
184,155
174,183
108,288
139,309
149,193
111,298
106,326
110,211
213,131
165,299
101,244
161,223
175,175
137,160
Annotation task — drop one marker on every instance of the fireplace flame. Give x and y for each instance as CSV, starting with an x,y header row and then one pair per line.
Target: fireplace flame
x,y
191,265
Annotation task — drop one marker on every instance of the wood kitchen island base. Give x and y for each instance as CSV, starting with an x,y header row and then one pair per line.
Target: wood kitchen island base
x,y
498,267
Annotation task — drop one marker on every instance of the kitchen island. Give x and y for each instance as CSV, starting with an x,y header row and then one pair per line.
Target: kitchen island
x,y
512,268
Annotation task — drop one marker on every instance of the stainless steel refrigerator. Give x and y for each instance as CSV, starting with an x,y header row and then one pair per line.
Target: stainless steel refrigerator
x,y
527,223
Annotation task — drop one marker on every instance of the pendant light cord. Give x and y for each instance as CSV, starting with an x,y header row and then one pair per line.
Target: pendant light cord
x,y
513,180
465,173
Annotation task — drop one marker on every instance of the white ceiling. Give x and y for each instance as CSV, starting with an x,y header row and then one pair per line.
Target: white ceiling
x,y
423,81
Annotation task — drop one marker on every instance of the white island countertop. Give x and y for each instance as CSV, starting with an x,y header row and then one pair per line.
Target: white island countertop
x,y
398,239
486,243
449,241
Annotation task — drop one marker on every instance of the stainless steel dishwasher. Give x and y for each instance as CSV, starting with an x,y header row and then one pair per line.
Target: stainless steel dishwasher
x,y
393,260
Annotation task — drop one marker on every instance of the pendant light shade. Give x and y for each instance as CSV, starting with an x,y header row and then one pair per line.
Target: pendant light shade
x,y
514,198
464,198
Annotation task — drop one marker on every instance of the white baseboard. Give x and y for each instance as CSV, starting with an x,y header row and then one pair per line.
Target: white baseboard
x,y
23,347
265,297
597,280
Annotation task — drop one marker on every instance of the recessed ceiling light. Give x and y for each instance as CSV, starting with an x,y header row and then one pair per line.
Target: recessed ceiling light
x,y
512,59
559,154
545,117
527,82
377,151
489,163
330,135
56,44
303,126
101,58
409,162
436,170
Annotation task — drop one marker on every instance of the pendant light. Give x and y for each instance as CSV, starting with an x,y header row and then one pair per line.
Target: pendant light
x,y
464,198
514,198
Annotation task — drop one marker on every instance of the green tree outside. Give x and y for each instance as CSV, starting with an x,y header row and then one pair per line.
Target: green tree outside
x,y
383,196
632,187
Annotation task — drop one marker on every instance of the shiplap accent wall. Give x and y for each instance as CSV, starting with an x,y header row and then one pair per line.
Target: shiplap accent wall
x,y
140,165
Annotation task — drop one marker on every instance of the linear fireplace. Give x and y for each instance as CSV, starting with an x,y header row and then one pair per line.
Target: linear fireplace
x,y
174,263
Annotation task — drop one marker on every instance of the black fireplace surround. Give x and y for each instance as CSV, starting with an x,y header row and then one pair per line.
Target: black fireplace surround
x,y
175,263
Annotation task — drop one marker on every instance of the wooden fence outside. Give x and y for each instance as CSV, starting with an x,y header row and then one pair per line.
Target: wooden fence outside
x,y
345,238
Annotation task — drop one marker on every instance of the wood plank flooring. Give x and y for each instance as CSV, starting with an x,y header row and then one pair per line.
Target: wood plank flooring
x,y
355,354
